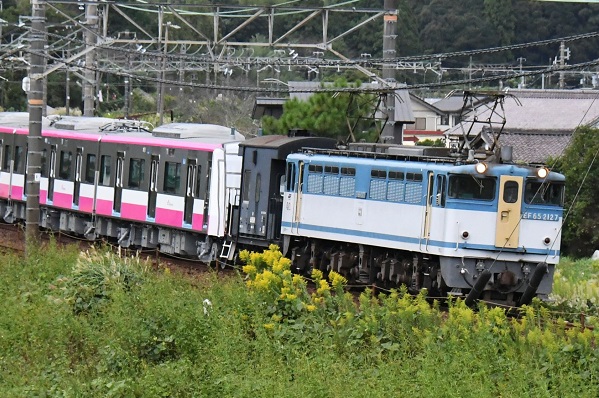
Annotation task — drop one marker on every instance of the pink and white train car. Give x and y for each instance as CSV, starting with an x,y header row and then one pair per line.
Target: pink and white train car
x,y
171,189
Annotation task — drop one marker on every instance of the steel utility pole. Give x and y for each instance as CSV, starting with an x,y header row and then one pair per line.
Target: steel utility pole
x,y
89,83
389,36
37,40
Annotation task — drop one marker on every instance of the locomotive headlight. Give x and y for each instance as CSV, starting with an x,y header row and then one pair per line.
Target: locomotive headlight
x,y
547,241
465,235
481,168
543,172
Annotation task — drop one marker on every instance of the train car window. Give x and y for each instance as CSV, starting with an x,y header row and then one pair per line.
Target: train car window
x,y
198,182
172,177
331,169
510,192
137,172
44,161
290,177
441,193
396,175
105,161
544,193
66,160
414,177
315,168
378,173
7,158
19,160
90,170
246,185
467,186
348,171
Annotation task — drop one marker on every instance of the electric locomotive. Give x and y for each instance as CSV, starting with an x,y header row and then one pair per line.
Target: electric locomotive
x,y
417,216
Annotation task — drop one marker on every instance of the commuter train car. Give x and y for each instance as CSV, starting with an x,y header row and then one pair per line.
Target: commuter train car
x,y
100,177
396,215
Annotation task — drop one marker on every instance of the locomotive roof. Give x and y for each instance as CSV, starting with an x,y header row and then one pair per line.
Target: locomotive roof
x,y
495,169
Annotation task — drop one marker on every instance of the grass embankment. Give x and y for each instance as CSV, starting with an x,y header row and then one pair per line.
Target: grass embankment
x,y
93,326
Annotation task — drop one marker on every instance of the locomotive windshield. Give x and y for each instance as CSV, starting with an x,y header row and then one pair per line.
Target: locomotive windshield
x,y
466,186
545,193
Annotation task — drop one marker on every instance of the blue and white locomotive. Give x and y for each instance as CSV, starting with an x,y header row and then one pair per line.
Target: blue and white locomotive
x,y
395,215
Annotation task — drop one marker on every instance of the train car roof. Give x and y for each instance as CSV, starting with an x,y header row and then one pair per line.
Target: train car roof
x,y
284,145
208,133
193,136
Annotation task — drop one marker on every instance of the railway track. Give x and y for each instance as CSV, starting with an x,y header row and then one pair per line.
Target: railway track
x,y
12,239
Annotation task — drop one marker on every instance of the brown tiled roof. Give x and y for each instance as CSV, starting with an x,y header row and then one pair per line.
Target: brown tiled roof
x,y
535,146
544,110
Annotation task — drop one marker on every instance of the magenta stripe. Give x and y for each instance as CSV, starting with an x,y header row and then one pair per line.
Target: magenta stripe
x,y
104,207
197,222
64,200
133,212
169,217
17,193
43,196
4,190
86,204
10,130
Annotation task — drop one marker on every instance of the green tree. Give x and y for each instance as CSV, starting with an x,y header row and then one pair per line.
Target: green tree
x,y
580,165
334,115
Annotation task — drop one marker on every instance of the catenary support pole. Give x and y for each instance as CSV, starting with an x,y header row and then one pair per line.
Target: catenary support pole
x,y
391,132
35,97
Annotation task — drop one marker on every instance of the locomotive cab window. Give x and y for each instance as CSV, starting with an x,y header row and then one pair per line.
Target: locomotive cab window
x,y
510,192
546,193
466,186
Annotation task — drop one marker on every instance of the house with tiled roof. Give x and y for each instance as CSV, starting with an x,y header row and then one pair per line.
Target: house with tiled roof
x,y
538,123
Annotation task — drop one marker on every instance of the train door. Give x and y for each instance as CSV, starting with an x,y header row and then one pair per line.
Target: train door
x,y
426,232
118,182
191,190
507,232
77,185
207,194
153,187
52,173
298,196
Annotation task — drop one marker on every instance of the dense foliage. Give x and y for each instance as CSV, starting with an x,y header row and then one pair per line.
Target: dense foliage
x,y
87,325
341,115
580,165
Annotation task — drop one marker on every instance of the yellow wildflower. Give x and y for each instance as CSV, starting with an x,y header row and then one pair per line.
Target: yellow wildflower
x,y
269,326
337,280
310,307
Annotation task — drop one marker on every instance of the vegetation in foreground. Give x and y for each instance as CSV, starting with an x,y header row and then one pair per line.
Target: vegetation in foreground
x,y
93,325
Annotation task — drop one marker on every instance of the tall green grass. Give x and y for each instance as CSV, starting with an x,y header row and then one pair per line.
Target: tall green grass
x,y
78,325
576,285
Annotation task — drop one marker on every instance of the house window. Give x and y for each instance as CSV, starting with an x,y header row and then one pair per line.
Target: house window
x,y
445,120
420,123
